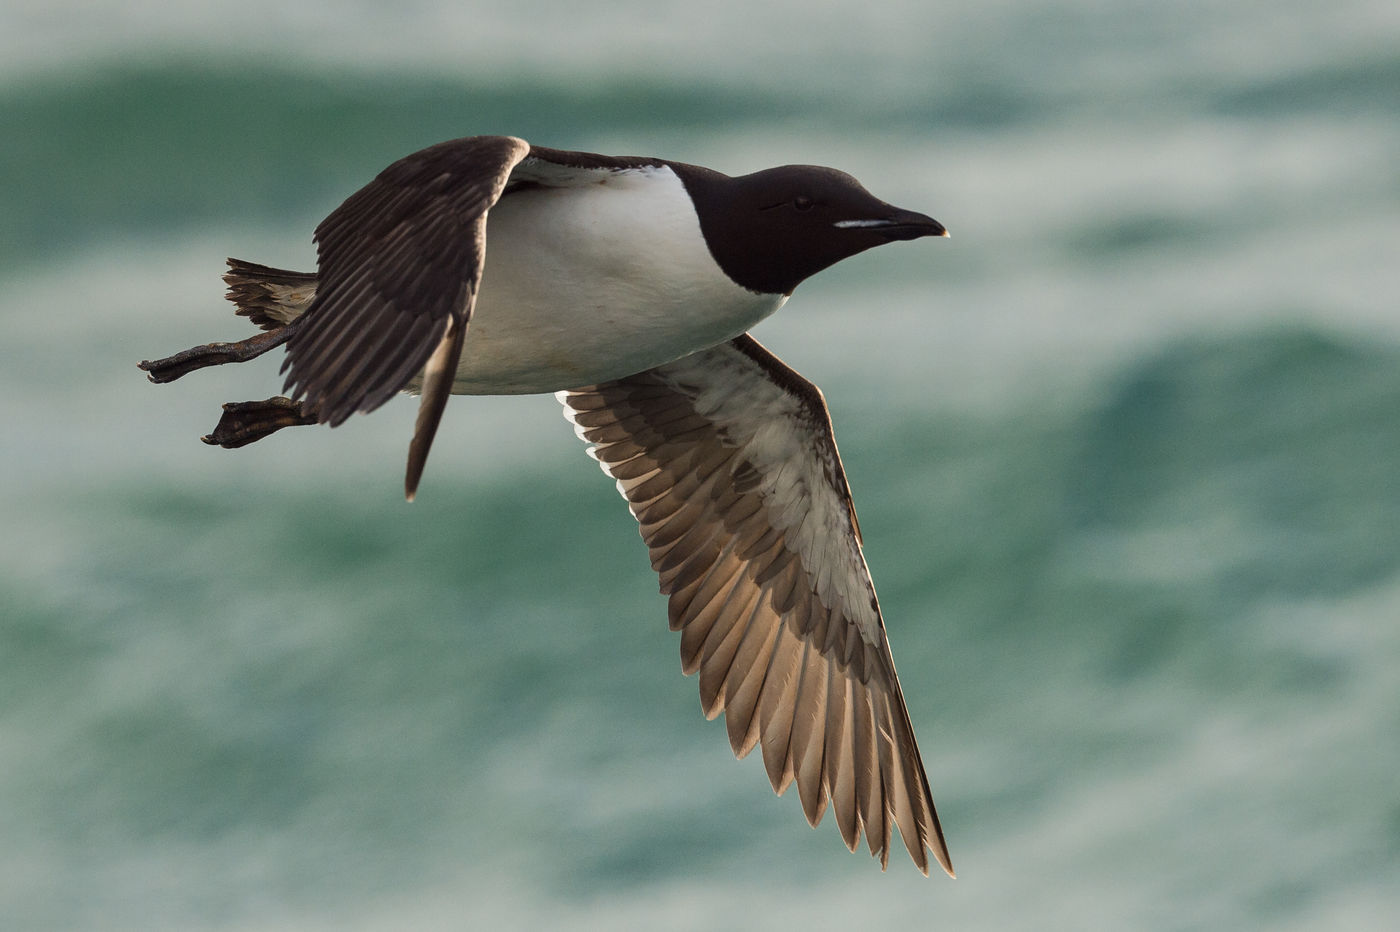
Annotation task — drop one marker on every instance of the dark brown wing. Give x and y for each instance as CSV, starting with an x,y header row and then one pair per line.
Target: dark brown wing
x,y
399,262
400,266
728,462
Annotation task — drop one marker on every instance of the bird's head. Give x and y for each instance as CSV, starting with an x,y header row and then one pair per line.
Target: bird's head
x,y
774,228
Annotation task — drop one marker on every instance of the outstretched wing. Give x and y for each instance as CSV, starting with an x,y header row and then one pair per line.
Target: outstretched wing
x,y
727,460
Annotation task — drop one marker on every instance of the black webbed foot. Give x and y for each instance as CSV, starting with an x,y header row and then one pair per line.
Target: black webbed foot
x,y
244,422
213,354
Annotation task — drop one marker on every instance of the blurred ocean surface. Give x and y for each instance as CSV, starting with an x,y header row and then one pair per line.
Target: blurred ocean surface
x,y
1126,451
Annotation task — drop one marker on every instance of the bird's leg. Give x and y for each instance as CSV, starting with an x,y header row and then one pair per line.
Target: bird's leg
x,y
214,354
244,422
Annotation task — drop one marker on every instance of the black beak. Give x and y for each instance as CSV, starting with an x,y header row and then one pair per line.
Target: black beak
x,y
906,224
899,224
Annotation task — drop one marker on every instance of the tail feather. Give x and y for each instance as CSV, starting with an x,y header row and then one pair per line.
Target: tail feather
x,y
270,298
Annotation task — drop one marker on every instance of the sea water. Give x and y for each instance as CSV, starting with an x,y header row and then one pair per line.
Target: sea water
x,y
1126,451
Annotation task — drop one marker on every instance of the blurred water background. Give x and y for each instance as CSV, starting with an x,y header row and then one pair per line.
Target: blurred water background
x,y
1126,451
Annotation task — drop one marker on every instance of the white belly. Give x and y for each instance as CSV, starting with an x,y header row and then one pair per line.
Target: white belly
x,y
609,280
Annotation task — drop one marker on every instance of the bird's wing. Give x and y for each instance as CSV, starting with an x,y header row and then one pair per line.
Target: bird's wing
x,y
399,265
727,460
561,168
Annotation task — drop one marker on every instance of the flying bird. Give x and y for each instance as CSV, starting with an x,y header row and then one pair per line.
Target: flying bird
x,y
627,286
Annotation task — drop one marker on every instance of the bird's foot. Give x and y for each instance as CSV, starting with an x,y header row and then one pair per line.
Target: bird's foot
x,y
244,422
213,354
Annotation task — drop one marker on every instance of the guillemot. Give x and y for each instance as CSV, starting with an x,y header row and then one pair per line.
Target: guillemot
x,y
627,286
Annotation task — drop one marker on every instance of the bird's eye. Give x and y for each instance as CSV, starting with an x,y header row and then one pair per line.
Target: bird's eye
x,y
802,202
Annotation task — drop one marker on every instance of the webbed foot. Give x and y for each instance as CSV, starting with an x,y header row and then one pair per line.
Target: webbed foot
x,y
213,354
244,422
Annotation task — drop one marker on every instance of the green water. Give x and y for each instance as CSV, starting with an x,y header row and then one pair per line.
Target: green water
x,y
1126,451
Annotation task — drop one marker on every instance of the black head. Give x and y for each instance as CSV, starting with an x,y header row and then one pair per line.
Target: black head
x,y
774,228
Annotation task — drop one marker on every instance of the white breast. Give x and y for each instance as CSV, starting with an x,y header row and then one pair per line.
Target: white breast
x,y
589,283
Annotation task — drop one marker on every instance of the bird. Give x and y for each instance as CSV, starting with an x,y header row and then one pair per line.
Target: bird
x,y
627,287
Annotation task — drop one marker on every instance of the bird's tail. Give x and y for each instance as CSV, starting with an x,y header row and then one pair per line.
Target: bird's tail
x,y
270,298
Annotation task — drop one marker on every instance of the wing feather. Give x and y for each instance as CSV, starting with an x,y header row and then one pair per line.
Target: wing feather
x,y
808,746
840,757
722,645
744,685
727,461
398,262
